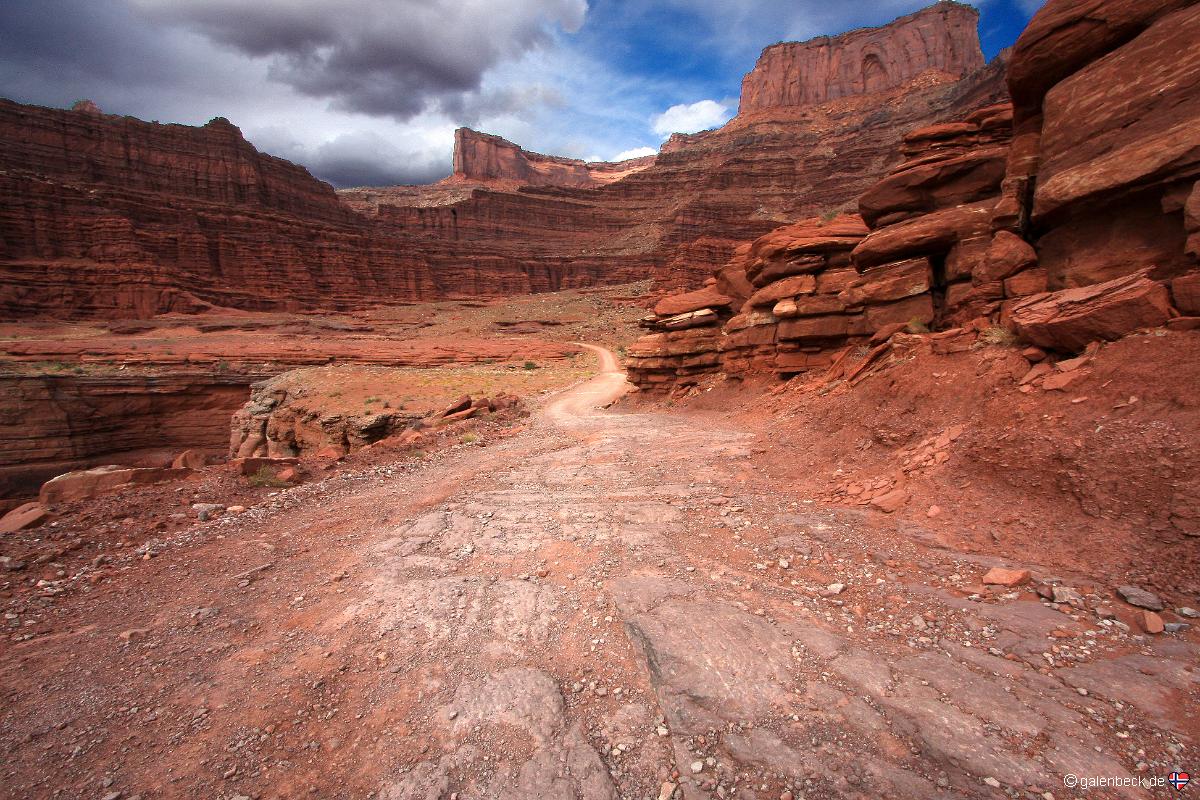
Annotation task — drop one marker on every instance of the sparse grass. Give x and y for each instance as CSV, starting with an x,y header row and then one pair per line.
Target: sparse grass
x,y
998,337
530,365
265,477
222,366
371,400
915,325
469,438
829,215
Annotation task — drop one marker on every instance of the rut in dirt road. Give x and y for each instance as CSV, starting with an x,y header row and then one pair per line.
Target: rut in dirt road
x,y
609,605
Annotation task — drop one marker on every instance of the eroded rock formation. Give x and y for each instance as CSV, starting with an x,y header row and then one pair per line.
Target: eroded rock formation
x,y
201,218
484,158
940,38
1069,218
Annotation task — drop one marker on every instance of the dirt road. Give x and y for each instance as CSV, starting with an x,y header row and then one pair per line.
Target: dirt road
x,y
609,605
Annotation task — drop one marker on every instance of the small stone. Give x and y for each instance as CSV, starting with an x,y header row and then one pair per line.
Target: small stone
x,y
236,509
1139,597
1190,613
933,512
992,782
784,563
133,633
1176,627
834,589
1068,595
999,576
697,766
666,791
1150,622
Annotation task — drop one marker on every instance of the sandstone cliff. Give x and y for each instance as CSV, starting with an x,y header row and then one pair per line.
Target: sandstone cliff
x,y
941,38
201,218
483,158
1072,219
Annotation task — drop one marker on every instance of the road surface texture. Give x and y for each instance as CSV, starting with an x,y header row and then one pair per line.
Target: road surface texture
x,y
607,605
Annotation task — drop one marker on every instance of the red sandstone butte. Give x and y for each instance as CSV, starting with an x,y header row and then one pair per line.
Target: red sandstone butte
x,y
942,37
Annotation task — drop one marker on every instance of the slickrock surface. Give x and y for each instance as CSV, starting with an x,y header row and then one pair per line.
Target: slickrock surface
x,y
586,610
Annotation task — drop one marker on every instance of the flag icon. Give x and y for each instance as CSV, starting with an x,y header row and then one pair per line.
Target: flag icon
x,y
1179,780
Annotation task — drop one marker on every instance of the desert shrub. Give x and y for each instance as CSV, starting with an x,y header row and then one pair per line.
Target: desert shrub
x,y
469,438
530,365
915,325
998,337
265,477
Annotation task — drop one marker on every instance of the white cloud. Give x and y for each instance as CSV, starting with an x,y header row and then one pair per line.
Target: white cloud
x,y
637,152
698,116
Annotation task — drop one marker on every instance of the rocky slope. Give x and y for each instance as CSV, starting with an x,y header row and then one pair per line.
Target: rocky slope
x,y
1068,219
201,218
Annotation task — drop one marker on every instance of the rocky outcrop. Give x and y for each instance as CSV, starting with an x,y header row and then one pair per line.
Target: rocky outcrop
x,y
1071,319
808,304
200,218
283,419
52,424
1107,109
941,38
484,158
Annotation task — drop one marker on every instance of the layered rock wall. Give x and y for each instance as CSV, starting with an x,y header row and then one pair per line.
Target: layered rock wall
x,y
1070,218
940,38
484,158
112,217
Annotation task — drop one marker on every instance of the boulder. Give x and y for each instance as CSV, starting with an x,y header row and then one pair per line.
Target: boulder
x,y
251,466
1007,255
1185,291
708,297
190,459
889,282
1067,35
1071,319
917,310
83,484
29,515
931,234
764,274
788,287
1031,281
933,185
814,327
692,319
999,576
461,404
1129,119
811,306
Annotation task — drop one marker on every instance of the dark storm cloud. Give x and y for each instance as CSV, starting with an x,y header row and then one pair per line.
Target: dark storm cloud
x,y
55,51
381,57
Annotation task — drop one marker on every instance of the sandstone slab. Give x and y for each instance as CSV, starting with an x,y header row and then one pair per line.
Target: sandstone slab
x,y
1071,319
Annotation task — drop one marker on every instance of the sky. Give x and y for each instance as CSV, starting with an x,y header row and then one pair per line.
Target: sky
x,y
369,92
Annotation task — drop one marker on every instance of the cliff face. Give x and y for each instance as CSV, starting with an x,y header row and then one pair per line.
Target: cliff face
x,y
1069,219
483,158
108,216
942,38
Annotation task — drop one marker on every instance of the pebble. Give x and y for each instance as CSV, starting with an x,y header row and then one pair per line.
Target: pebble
x,y
992,782
1191,613
697,766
